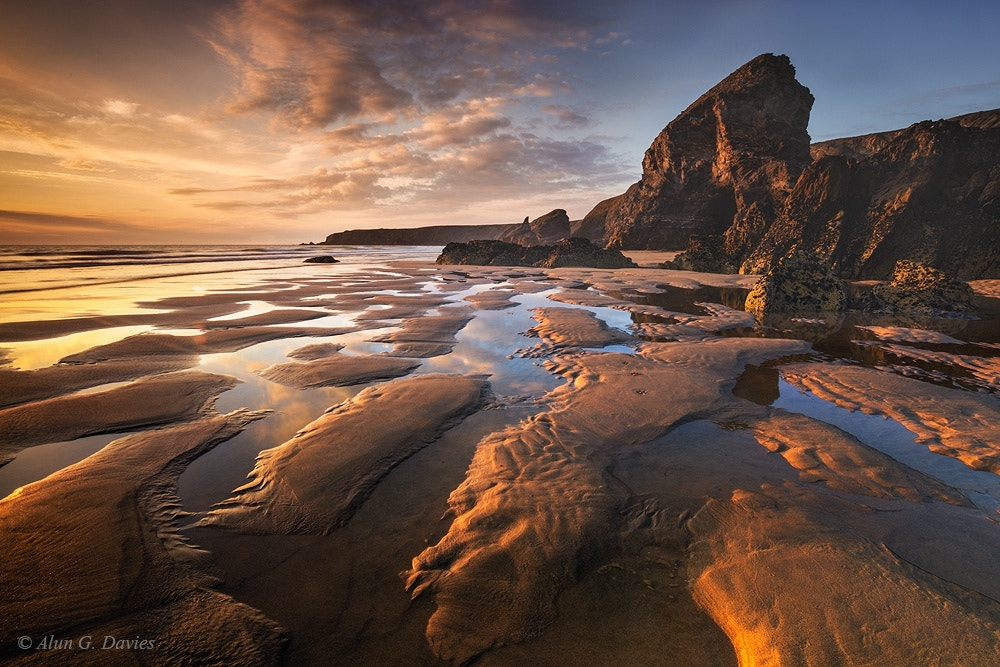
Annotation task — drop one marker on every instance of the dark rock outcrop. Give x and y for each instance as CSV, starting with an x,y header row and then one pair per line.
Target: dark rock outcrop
x,y
569,252
549,228
799,284
704,253
916,289
930,193
321,259
723,166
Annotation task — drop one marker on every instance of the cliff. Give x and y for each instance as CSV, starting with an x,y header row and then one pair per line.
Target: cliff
x,y
724,165
929,193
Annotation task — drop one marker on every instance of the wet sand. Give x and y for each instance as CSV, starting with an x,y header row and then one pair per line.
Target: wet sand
x,y
639,501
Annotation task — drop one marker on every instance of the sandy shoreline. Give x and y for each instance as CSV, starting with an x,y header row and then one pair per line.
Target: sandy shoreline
x,y
511,475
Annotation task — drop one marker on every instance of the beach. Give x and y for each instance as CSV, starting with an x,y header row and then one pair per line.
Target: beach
x,y
227,455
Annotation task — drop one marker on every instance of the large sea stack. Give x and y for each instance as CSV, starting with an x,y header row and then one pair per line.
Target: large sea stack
x,y
725,165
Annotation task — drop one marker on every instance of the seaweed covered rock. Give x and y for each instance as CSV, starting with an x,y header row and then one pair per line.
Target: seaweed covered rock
x,y
706,254
570,252
800,284
583,252
488,252
924,290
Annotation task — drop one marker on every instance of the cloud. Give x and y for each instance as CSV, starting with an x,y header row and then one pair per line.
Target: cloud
x,y
119,107
567,118
319,63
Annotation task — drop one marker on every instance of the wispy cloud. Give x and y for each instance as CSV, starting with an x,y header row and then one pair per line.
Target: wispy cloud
x,y
318,63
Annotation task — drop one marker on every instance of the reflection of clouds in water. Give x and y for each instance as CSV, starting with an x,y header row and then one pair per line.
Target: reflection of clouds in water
x,y
484,346
29,355
252,308
211,477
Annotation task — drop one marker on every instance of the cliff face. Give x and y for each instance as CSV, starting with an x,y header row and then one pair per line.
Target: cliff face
x,y
929,193
725,165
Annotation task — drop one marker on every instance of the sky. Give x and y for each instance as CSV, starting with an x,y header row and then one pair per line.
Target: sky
x,y
282,121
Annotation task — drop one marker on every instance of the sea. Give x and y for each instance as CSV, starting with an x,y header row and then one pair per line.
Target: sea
x,y
44,282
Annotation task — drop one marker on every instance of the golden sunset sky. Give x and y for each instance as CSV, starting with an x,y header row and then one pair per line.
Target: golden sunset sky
x,y
281,121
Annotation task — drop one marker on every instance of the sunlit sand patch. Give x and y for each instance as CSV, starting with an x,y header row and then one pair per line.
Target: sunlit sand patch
x,y
574,328
338,370
538,502
683,326
984,369
92,550
267,318
427,336
315,351
590,297
391,306
791,581
317,480
152,401
493,299
825,454
953,422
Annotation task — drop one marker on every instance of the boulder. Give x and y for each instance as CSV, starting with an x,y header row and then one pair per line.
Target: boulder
x,y
800,284
922,290
321,259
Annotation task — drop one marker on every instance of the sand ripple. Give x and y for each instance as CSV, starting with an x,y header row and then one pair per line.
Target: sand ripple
x,y
953,422
316,481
